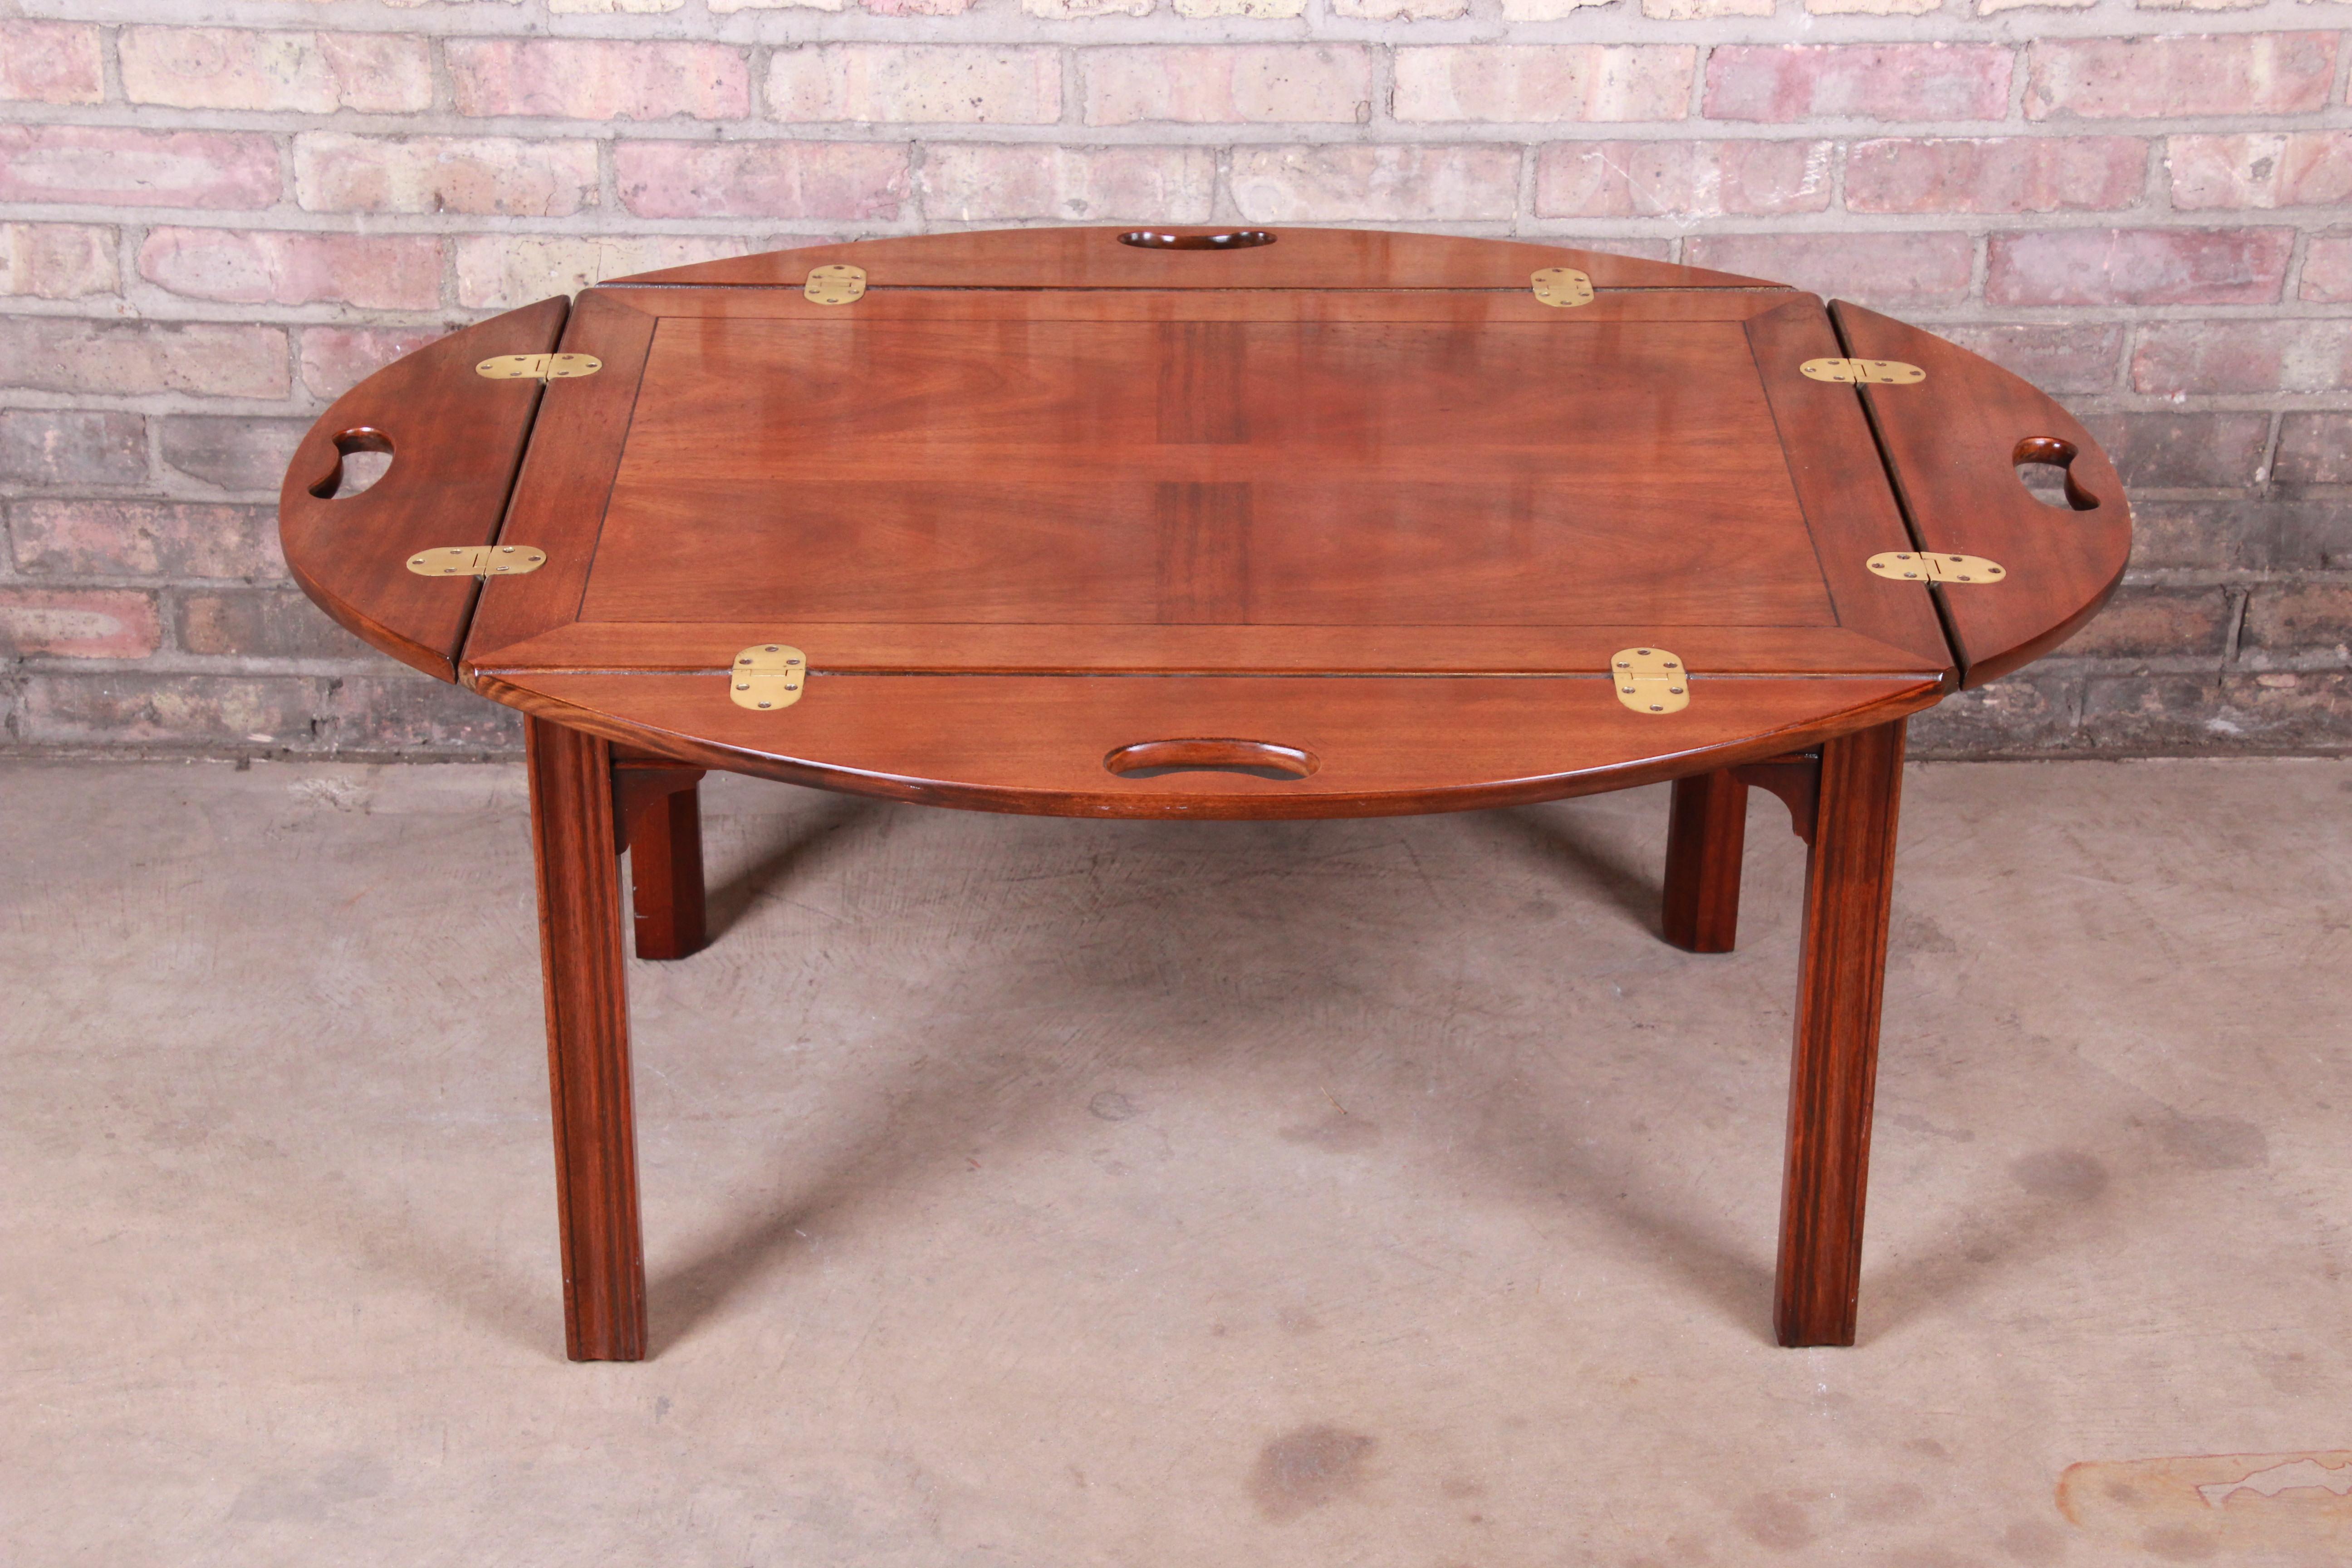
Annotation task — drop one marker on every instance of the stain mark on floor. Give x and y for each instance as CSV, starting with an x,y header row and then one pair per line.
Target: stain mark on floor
x,y
1302,1470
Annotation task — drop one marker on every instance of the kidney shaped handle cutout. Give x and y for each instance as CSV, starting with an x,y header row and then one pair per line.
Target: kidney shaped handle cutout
x,y
1255,759
348,478
1167,239
2034,456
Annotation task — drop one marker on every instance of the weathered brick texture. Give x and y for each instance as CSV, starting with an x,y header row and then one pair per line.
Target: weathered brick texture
x,y
214,220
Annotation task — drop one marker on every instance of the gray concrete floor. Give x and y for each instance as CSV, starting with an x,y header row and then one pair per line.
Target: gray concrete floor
x,y
1035,1192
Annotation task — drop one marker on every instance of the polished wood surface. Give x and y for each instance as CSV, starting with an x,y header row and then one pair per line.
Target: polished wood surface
x,y
574,843
657,820
1833,1069
1382,747
1954,458
455,439
1120,475
1300,524
1706,838
1304,258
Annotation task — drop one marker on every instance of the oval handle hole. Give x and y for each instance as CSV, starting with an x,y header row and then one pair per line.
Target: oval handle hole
x,y
363,456
1167,239
1255,759
2044,466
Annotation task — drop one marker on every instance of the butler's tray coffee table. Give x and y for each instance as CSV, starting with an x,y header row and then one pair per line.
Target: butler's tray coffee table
x,y
1183,523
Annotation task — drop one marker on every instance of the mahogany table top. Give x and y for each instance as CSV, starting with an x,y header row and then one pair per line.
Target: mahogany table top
x,y
1336,522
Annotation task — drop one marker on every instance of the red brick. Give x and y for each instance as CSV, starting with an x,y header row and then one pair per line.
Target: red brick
x,y
510,269
213,170
1693,178
915,83
590,78
404,713
2139,267
2055,357
965,182
336,359
2210,714
2201,357
1858,81
478,175
1357,183
1544,83
302,73
2293,615
1870,268
76,623
2183,451
2261,169
72,447
2143,622
144,539
2165,78
50,62
2033,713
1995,173
60,353
2314,449
1261,84
270,267
168,710
2327,270
259,623
57,260
860,180
233,452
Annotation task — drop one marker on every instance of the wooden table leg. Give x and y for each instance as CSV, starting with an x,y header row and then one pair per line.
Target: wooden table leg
x,y
657,809
587,1042
1840,974
1706,835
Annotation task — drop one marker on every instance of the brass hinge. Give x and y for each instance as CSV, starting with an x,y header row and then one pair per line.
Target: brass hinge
x,y
1562,286
1651,680
838,284
539,367
477,560
1906,566
1867,372
767,676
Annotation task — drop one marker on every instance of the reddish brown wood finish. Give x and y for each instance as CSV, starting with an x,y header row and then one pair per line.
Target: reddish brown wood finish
x,y
574,838
456,440
1707,834
1353,521
1383,747
657,809
1841,971
1300,259
1952,443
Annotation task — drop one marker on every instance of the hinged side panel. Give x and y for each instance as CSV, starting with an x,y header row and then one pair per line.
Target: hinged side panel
x,y
1953,447
455,439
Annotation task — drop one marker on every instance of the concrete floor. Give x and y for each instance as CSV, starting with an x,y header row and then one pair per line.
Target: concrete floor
x,y
1036,1193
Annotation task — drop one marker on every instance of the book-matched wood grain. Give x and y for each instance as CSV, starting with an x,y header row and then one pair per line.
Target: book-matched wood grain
x,y
1953,443
1094,258
456,440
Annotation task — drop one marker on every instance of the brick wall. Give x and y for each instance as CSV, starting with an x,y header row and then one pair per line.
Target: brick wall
x,y
207,232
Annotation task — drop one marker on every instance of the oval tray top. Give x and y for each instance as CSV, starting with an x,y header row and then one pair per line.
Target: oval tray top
x,y
1171,521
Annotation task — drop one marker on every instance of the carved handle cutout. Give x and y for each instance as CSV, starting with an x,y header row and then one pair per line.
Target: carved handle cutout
x,y
1164,239
363,455
2034,458
1257,759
